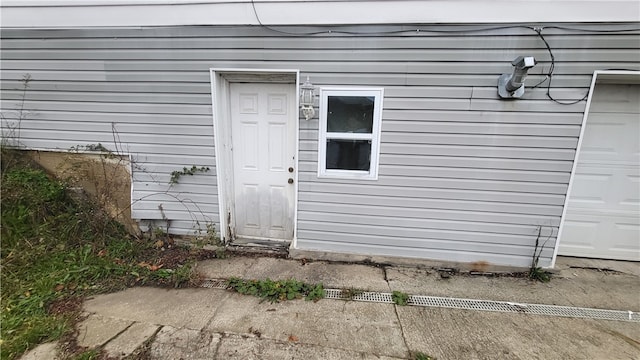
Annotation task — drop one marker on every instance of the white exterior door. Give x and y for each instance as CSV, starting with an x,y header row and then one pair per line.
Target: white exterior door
x,y
263,150
603,212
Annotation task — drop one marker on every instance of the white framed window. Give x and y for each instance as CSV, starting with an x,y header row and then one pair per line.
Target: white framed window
x,y
349,134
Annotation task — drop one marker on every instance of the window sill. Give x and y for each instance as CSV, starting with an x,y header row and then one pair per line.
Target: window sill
x,y
347,175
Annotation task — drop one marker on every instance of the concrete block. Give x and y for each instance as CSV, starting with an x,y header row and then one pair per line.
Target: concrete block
x,y
243,347
174,343
328,323
583,288
97,330
225,268
127,342
331,275
191,308
465,334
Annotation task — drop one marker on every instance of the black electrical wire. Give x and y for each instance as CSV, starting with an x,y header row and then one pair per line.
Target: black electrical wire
x,y
255,12
549,76
590,30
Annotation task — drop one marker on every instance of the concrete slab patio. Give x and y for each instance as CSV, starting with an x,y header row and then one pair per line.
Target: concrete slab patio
x,y
218,324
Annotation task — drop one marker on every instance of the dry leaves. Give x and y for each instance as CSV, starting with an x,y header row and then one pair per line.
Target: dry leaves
x,y
146,265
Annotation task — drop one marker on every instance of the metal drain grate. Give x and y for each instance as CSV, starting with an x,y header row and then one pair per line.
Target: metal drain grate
x,y
534,309
214,284
359,296
469,304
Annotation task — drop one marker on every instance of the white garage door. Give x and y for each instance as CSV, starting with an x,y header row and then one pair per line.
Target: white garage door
x,y
603,212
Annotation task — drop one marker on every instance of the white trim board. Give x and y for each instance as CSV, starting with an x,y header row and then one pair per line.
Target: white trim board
x,y
608,76
105,13
220,80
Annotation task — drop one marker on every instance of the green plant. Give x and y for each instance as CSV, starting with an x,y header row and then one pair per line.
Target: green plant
x,y
159,233
535,271
539,274
50,252
208,236
400,298
350,293
92,354
276,291
422,356
57,247
315,293
92,148
175,175
221,253
12,124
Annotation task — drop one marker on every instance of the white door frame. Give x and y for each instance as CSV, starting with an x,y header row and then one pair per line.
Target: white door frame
x,y
220,80
616,76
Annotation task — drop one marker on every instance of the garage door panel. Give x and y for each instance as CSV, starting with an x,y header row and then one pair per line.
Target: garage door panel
x,y
633,197
606,188
589,189
602,218
628,232
583,235
614,98
601,236
611,138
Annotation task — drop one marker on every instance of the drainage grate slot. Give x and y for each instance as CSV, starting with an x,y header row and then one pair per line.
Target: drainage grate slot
x,y
373,297
470,304
333,294
214,284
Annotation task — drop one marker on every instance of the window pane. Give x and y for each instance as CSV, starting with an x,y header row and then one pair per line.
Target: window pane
x,y
349,154
350,114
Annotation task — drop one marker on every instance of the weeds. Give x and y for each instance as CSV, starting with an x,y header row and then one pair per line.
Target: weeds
x,y
175,175
12,124
535,271
208,236
49,252
276,291
350,293
539,274
421,356
400,298
56,247
92,354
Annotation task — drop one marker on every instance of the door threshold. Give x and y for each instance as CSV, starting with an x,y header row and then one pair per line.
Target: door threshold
x,y
264,246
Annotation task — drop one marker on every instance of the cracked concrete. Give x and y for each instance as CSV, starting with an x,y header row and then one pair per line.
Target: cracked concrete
x,y
130,339
97,330
217,324
182,343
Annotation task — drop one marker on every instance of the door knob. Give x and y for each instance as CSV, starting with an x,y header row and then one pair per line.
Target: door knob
x,y
290,181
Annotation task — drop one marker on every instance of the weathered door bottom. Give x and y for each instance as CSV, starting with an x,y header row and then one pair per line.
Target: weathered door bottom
x,y
260,245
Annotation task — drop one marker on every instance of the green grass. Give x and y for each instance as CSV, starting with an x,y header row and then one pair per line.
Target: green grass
x,y
56,248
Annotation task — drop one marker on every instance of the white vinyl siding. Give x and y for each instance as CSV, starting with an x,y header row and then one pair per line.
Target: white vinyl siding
x,y
463,176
